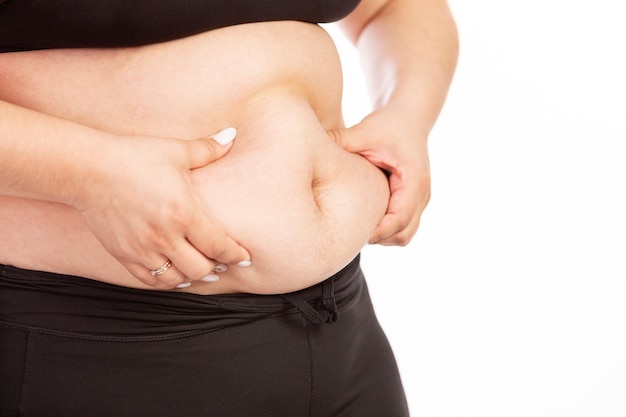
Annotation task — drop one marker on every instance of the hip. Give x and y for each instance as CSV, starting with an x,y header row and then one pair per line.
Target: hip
x,y
94,349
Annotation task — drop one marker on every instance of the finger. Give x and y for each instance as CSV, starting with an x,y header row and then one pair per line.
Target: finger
x,y
192,263
211,240
343,137
359,141
206,150
404,210
391,231
168,279
403,236
402,220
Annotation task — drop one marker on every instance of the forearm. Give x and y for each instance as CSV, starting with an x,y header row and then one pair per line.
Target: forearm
x,y
44,157
409,51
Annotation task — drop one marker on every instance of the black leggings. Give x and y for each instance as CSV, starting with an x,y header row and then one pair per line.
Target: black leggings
x,y
71,346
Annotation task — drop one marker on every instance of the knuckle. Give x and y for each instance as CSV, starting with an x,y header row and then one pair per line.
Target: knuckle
x,y
147,279
210,147
399,239
154,283
426,198
335,136
170,282
127,249
179,213
178,217
424,183
402,240
219,251
217,248
198,273
401,224
404,233
155,238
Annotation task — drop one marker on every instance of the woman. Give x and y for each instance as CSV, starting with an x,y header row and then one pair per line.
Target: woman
x,y
112,189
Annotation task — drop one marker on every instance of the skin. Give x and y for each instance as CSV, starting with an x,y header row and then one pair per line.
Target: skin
x,y
301,205
409,50
59,157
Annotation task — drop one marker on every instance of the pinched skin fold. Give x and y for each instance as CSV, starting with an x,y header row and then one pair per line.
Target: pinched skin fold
x,y
301,205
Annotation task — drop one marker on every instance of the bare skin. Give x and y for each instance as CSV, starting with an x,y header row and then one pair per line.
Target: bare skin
x,y
298,203
79,147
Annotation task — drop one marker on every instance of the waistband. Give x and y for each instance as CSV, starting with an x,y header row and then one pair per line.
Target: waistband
x,y
65,303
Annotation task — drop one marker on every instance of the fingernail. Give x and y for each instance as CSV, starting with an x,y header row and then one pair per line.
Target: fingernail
x,y
184,285
245,264
226,136
211,278
220,268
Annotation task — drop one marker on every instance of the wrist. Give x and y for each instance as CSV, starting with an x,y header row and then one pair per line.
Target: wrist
x,y
405,119
95,163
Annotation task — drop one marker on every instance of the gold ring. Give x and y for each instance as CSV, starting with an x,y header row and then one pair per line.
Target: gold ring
x,y
163,269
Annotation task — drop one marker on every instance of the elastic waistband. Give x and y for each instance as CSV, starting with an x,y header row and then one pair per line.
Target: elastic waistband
x,y
57,302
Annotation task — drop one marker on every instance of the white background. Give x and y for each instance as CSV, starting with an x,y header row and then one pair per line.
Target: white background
x,y
511,300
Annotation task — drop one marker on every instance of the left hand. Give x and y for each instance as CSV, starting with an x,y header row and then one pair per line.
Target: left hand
x,y
384,140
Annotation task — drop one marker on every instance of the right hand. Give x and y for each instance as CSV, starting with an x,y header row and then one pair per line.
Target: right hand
x,y
141,206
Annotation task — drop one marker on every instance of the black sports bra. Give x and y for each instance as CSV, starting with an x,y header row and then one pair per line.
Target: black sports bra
x,y
43,24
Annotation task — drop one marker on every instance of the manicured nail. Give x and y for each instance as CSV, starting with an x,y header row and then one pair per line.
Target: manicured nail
x,y
226,136
184,285
211,278
244,264
220,268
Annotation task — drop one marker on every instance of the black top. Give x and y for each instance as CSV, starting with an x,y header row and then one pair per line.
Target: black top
x,y
42,24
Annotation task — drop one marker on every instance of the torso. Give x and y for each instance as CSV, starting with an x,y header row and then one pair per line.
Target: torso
x,y
301,205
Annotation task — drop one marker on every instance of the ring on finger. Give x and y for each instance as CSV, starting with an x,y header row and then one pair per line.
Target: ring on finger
x,y
162,269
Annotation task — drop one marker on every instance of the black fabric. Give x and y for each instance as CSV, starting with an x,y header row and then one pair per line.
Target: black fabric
x,y
75,347
41,24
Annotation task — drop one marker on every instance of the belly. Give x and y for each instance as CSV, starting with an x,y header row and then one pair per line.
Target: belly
x,y
301,206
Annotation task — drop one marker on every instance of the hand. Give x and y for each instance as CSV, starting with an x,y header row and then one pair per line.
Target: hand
x,y
384,140
141,206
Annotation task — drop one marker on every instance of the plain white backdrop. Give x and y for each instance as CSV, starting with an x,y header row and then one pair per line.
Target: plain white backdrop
x,y
511,299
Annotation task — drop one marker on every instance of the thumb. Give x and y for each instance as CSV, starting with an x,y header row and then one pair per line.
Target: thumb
x,y
203,151
343,138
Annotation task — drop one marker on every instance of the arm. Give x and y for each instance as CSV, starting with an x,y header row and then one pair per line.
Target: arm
x,y
409,50
134,193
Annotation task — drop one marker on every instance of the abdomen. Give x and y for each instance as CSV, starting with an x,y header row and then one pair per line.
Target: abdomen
x,y
302,206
